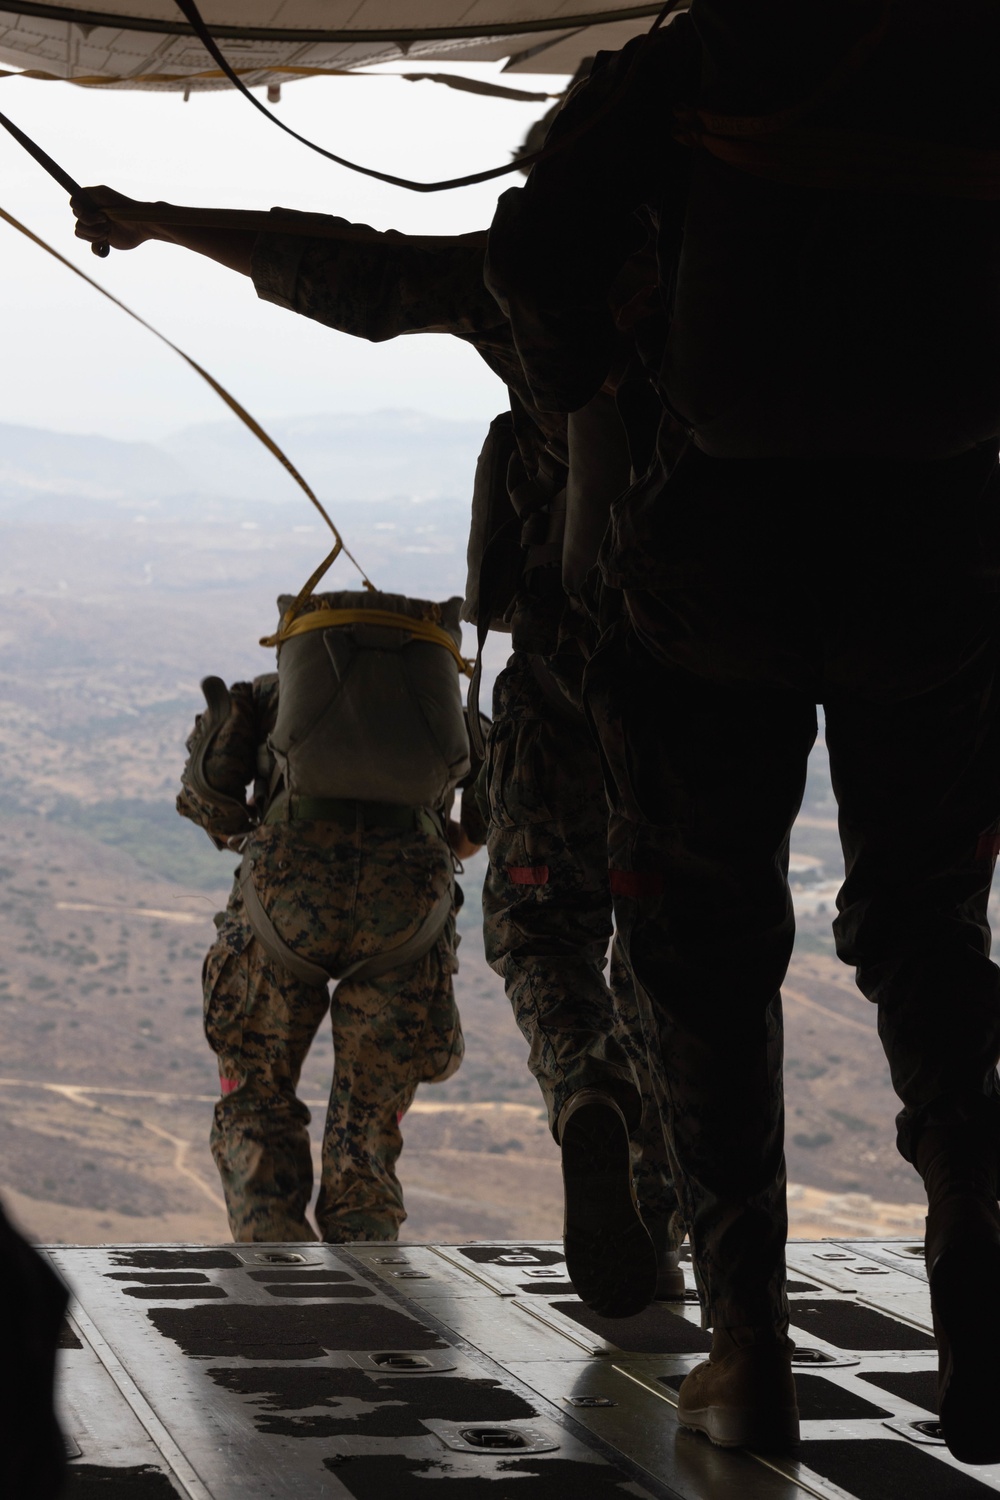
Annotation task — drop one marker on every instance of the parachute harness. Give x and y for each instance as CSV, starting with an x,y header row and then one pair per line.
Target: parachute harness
x,y
325,619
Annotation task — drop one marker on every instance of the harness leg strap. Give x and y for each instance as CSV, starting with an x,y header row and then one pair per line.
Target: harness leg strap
x,y
415,947
269,936
421,942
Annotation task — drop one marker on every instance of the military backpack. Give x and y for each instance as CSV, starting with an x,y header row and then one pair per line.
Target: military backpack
x,y
369,703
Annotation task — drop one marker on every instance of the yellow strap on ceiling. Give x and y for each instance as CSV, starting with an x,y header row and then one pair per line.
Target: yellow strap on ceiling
x,y
325,619
289,70
220,391
206,75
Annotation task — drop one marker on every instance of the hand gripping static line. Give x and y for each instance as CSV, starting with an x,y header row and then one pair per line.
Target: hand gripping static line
x,y
60,175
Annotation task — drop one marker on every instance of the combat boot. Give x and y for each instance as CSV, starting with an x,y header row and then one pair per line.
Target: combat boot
x,y
669,1276
609,1254
743,1395
962,1254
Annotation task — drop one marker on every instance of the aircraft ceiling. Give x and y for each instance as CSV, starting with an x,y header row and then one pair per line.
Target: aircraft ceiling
x,y
148,44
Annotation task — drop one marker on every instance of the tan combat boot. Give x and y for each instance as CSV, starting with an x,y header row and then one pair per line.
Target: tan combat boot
x,y
743,1396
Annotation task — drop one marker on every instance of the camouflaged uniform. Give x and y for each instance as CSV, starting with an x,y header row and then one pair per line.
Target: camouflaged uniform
x,y
337,894
548,941
829,535
547,911
386,284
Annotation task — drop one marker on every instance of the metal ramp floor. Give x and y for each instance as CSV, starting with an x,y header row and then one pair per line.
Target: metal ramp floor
x,y
260,1372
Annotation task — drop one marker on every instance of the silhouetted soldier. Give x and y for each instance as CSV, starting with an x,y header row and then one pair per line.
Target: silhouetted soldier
x,y
32,1311
830,533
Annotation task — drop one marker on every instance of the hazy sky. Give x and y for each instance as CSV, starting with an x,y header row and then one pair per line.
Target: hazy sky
x,y
73,363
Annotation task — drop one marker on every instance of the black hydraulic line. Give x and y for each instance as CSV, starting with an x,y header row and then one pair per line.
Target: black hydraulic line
x,y
190,11
55,171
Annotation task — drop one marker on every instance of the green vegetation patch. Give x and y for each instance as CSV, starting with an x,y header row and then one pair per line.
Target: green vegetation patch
x,y
796,1067
812,1142
852,1122
153,834
813,942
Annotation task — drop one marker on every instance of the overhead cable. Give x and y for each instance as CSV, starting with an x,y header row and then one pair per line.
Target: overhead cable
x,y
275,221
190,11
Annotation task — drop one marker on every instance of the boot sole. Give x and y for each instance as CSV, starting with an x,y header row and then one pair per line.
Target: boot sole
x,y
609,1254
965,1294
739,1427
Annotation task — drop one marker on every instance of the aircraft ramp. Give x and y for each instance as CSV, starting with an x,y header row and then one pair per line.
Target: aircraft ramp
x,y
267,1372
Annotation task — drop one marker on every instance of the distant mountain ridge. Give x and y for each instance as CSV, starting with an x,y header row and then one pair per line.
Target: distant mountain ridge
x,y
35,463
382,455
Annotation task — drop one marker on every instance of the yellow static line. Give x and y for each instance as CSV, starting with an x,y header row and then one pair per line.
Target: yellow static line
x,y
322,619
235,406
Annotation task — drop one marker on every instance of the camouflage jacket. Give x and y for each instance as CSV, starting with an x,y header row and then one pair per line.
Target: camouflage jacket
x,y
831,285
376,285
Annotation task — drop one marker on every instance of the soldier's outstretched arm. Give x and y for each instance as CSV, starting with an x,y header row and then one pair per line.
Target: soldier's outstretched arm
x,y
97,222
371,283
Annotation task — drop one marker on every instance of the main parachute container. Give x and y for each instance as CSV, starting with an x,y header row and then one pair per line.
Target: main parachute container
x,y
147,43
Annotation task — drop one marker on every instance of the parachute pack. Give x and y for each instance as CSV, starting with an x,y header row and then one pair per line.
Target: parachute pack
x,y
369,703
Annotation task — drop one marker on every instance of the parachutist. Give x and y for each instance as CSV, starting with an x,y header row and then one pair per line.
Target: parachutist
x,y
347,875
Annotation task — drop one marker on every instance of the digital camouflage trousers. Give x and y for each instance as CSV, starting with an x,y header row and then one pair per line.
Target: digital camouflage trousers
x,y
335,895
547,911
